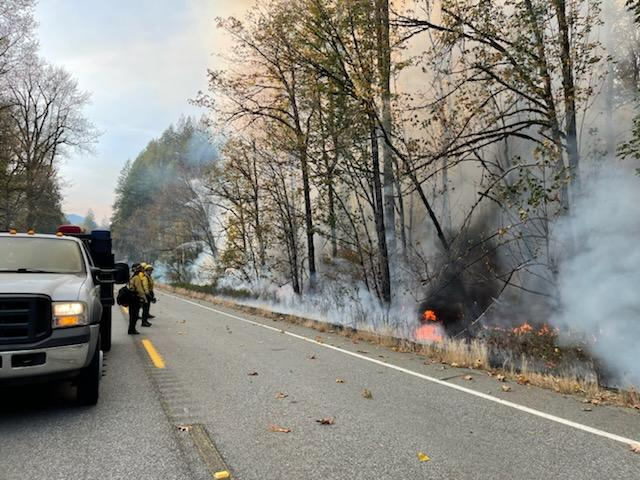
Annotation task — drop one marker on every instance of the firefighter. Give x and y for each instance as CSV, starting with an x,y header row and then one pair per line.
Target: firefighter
x,y
149,283
138,297
144,282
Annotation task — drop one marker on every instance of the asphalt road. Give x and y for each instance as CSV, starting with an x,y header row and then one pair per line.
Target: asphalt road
x,y
227,380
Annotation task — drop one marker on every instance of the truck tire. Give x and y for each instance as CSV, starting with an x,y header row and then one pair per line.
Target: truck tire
x,y
89,380
105,330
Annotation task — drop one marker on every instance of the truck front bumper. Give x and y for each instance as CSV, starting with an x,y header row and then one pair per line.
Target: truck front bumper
x,y
48,361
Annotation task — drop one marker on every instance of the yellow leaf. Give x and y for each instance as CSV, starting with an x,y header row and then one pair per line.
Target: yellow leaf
x,y
423,457
277,429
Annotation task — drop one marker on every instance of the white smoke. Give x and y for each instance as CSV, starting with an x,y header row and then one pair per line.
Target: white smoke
x,y
600,281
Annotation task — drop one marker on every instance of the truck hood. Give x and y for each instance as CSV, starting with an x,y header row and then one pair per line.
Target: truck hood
x,y
59,287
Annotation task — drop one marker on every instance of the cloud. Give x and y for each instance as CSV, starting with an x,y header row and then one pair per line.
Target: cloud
x,y
142,61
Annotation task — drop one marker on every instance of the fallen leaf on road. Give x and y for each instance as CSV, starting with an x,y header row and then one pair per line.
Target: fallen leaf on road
x,y
522,379
182,321
595,402
423,457
253,374
468,377
282,395
275,428
311,357
339,380
184,428
326,421
587,409
455,365
367,394
501,378
506,388
635,447
362,351
478,363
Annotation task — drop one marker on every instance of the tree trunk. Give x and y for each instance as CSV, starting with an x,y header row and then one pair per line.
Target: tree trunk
x,y
552,112
384,72
306,184
308,217
568,86
383,256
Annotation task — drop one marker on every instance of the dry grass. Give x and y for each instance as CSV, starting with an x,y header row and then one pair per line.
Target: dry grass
x,y
457,353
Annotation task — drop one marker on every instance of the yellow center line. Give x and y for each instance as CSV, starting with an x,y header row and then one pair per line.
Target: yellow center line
x,y
153,353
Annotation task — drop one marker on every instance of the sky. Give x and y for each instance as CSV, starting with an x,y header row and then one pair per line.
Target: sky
x,y
142,60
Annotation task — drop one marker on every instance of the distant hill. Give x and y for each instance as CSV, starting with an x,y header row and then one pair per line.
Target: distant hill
x,y
74,219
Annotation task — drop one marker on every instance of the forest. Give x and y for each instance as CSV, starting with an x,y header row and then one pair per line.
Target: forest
x,y
41,122
368,161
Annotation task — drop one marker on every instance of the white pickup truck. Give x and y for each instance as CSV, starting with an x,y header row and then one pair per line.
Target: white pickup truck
x,y
51,310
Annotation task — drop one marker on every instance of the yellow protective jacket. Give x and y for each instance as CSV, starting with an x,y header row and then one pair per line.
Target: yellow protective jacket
x,y
145,283
136,286
150,282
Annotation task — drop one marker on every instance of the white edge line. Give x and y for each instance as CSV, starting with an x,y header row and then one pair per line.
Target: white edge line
x,y
491,398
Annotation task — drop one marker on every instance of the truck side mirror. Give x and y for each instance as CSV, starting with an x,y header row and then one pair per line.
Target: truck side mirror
x,y
121,273
96,274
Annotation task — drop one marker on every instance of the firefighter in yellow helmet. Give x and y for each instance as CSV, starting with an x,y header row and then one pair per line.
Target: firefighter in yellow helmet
x,y
151,296
138,297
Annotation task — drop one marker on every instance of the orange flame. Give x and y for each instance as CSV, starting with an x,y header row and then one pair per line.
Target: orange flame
x,y
429,316
522,329
429,333
546,330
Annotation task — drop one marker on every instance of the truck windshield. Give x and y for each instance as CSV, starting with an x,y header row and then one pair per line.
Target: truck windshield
x,y
40,255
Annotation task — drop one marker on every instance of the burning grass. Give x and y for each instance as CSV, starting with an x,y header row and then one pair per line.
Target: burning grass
x,y
526,354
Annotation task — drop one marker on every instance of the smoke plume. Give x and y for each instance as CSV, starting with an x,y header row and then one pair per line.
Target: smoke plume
x,y
599,281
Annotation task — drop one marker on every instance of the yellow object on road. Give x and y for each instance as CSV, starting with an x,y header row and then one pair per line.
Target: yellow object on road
x,y
423,457
153,353
221,475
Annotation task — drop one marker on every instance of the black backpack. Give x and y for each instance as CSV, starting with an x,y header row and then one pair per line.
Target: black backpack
x,y
124,296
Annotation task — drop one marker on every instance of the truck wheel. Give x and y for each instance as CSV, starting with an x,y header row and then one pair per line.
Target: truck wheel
x,y
105,331
89,380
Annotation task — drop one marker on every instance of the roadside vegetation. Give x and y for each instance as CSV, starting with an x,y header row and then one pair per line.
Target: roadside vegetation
x,y
391,164
457,353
